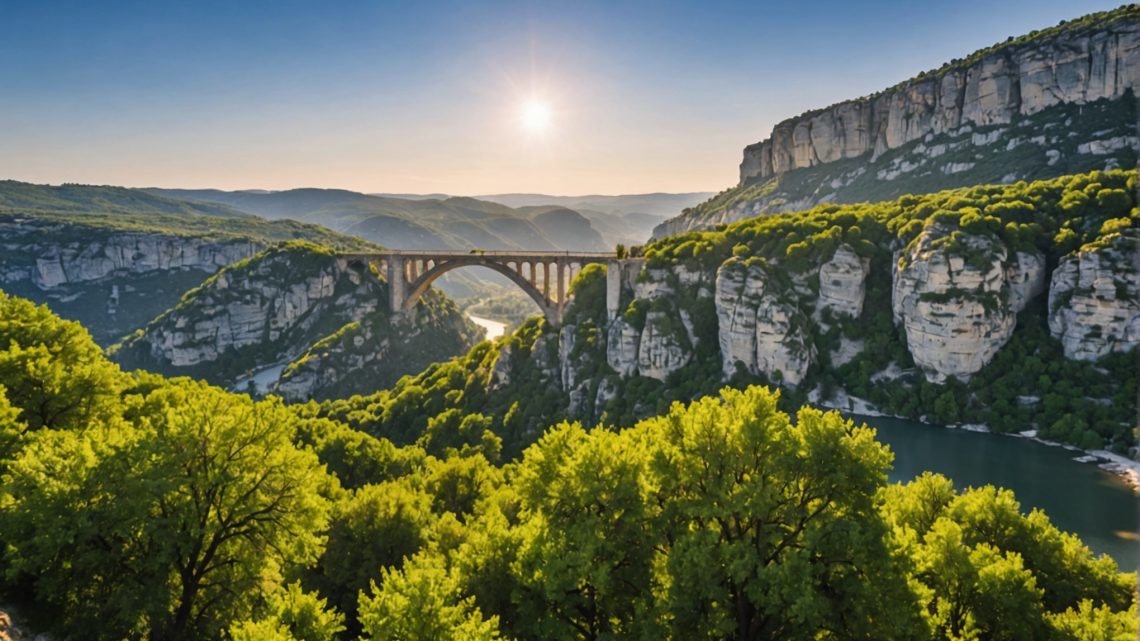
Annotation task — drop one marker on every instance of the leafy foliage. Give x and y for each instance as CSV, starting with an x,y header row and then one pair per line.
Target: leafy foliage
x,y
182,511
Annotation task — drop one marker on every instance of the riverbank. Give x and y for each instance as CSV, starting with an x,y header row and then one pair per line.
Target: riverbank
x,y
1121,466
492,328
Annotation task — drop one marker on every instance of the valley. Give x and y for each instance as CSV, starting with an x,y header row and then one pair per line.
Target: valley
x,y
885,386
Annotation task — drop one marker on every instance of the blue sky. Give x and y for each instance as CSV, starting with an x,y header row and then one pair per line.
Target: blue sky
x,y
426,96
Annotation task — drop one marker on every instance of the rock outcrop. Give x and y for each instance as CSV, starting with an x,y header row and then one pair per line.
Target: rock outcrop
x,y
242,308
298,321
55,263
1094,300
1067,65
957,299
662,350
843,282
622,347
759,328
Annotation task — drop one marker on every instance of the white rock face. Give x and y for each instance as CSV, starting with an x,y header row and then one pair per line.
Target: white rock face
x,y
622,347
1073,66
263,311
652,283
127,253
737,297
843,282
757,328
955,314
696,280
660,352
1094,300
567,338
607,391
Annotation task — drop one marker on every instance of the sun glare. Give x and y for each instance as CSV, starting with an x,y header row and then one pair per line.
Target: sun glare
x,y
536,116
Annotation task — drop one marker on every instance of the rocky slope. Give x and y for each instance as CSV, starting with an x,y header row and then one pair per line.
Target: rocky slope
x,y
296,320
1051,103
954,315
113,258
925,307
1094,300
111,281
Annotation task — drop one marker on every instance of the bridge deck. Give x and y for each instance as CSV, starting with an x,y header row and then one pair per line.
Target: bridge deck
x,y
478,253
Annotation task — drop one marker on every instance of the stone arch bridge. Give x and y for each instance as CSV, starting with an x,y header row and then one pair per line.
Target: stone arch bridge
x,y
544,276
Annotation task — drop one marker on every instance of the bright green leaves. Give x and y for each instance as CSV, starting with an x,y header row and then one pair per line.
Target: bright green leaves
x,y
1087,622
171,523
54,373
374,528
977,591
771,526
292,615
588,559
984,570
418,603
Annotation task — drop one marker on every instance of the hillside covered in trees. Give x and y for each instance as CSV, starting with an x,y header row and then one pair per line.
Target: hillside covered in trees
x,y
138,507
1016,306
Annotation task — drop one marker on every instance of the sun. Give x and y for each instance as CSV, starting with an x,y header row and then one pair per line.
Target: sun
x,y
536,115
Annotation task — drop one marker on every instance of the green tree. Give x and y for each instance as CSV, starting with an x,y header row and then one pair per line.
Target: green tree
x,y
12,429
587,559
985,570
54,373
170,524
772,529
421,603
292,615
374,528
1087,622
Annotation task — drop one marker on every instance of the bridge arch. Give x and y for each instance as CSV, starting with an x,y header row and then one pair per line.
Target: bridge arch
x,y
544,276
551,309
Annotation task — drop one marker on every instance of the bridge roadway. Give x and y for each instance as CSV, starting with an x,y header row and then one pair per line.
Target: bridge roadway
x,y
545,276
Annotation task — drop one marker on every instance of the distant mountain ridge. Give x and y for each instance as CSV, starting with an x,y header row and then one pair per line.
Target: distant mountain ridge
x,y
68,197
402,223
1053,102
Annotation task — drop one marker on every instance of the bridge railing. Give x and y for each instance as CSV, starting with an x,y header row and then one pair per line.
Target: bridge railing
x,y
476,253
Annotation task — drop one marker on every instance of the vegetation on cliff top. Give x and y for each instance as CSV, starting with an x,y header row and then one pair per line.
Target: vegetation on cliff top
x,y
1076,402
181,512
1038,146
349,330
1082,403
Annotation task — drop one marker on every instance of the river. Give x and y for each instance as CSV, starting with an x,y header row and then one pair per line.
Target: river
x,y
493,328
1078,497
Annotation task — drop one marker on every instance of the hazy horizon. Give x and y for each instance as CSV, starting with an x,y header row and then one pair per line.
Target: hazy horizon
x,y
518,97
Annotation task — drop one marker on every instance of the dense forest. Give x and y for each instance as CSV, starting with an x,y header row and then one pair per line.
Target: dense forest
x,y
138,507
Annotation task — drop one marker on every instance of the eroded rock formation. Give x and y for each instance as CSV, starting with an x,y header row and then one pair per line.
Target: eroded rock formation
x,y
1094,300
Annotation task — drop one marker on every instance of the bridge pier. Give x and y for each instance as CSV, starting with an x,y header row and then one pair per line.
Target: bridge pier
x,y
613,288
397,280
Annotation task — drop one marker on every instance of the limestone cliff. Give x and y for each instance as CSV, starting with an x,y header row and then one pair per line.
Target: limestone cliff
x,y
957,296
1055,102
296,320
1078,64
954,294
1094,300
56,262
760,327
110,280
